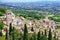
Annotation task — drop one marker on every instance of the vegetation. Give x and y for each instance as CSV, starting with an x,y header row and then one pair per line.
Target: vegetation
x,y
1,25
2,11
58,27
16,35
32,29
30,15
39,36
6,37
2,37
50,35
25,37
34,36
10,29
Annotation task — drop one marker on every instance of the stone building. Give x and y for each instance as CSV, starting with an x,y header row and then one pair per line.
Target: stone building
x,y
19,22
9,17
48,24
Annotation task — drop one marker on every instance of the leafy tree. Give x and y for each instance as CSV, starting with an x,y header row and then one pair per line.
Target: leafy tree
x,y
31,38
50,35
21,36
16,34
43,37
34,36
1,25
25,36
2,10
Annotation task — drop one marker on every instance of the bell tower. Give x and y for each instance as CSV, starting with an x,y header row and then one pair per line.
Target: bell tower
x,y
8,17
46,16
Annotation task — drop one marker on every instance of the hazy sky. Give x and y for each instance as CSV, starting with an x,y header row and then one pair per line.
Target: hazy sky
x,y
25,0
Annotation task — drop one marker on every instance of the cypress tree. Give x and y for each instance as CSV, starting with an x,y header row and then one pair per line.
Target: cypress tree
x,y
13,34
10,29
38,36
1,33
42,33
25,37
32,29
45,33
55,36
7,37
50,35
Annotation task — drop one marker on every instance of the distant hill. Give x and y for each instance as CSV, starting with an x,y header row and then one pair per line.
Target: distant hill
x,y
43,6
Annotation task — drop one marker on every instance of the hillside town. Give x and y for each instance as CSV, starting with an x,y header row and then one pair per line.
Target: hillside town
x,y
18,23
29,20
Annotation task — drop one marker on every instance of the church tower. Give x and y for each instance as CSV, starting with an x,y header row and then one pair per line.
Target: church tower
x,y
8,17
46,16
